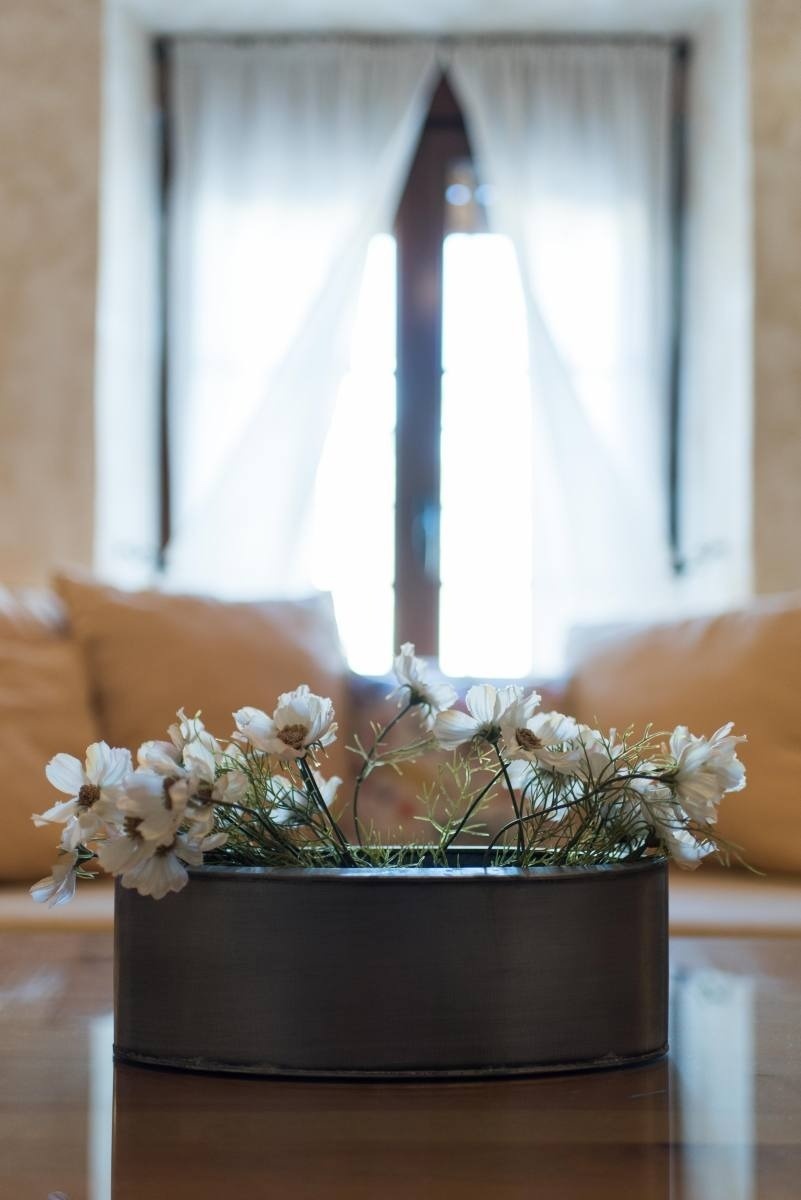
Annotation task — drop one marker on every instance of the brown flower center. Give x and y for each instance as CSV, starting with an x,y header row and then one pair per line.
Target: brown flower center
x,y
527,740
168,782
88,795
130,826
293,735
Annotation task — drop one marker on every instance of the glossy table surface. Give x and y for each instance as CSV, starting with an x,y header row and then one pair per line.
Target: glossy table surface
x,y
719,1119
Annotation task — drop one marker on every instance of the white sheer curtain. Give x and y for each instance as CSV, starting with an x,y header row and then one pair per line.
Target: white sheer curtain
x,y
288,158
575,140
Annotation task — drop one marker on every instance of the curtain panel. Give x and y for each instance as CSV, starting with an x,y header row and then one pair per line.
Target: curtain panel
x,y
576,140
289,157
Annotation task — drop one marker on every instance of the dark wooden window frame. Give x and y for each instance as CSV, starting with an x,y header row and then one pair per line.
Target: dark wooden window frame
x,y
420,228
420,233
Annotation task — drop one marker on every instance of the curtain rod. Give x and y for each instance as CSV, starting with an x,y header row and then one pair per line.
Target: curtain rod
x,y
680,41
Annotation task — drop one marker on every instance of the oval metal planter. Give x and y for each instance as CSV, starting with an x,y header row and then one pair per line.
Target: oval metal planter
x,y
395,973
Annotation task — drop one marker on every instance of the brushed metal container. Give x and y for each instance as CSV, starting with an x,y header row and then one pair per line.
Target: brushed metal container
x,y
393,973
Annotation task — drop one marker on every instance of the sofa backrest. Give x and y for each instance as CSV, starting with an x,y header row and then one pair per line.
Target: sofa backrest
x,y
742,666
44,709
94,662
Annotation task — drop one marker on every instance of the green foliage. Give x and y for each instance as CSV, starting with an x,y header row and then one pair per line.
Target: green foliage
x,y
617,804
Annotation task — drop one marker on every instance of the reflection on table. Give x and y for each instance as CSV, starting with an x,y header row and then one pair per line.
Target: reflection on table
x,y
681,1127
720,1119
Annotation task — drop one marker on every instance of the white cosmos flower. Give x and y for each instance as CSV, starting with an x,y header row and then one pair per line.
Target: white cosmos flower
x,y
189,729
328,787
590,756
526,777
291,805
58,887
205,783
288,804
157,803
180,781
685,850
168,757
415,678
164,870
487,707
302,721
661,812
126,850
706,768
162,757
94,790
538,739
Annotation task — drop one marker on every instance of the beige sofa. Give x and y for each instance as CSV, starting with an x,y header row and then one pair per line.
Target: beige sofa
x,y
85,661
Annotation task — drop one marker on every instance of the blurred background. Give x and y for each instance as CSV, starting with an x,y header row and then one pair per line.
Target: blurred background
x,y
483,318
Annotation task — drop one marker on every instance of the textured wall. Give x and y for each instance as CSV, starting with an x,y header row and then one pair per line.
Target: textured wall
x,y
127,360
717,363
49,115
776,116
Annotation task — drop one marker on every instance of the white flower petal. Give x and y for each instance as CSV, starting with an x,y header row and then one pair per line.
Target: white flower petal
x,y
66,773
98,760
415,678
511,694
119,765
255,726
481,701
156,876
58,814
58,887
453,728
201,762
159,756
123,853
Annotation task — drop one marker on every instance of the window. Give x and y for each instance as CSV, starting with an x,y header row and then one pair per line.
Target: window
x,y
418,407
426,522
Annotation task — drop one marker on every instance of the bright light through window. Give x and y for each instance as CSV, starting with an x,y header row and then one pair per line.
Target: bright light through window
x,y
486,531
353,538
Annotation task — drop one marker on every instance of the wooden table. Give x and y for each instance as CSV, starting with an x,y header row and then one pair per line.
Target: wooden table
x,y
720,1119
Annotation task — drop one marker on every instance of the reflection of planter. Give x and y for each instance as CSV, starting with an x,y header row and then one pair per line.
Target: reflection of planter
x,y
605,1135
395,972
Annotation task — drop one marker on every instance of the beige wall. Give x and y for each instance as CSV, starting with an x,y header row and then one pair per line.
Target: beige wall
x,y
776,117
716,351
49,115
128,328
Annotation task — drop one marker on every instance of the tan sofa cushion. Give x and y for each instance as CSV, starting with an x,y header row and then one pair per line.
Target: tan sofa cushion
x,y
742,666
44,709
149,653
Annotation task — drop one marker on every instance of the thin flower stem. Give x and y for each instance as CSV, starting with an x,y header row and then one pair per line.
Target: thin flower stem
x,y
369,761
515,808
263,820
575,803
504,829
450,840
314,792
